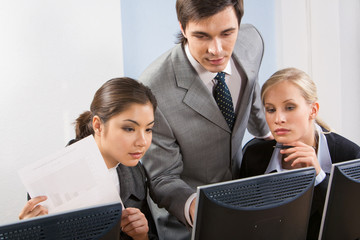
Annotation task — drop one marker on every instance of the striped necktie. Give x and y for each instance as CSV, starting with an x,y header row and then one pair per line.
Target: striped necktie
x,y
223,99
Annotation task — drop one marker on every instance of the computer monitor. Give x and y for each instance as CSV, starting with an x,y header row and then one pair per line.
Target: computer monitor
x,y
89,223
271,206
341,216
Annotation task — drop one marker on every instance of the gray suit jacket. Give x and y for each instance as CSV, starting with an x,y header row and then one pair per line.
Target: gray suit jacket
x,y
192,143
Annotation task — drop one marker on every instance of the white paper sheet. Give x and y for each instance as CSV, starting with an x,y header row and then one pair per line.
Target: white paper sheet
x,y
75,177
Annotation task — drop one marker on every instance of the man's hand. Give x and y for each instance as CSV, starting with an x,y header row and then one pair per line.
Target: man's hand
x,y
192,210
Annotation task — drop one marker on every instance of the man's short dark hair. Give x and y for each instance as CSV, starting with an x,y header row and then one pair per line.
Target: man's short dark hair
x,y
195,10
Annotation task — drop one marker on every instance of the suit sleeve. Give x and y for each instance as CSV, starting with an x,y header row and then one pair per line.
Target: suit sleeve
x,y
257,125
163,164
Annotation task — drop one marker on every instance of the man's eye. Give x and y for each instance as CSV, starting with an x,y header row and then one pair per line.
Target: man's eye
x,y
227,33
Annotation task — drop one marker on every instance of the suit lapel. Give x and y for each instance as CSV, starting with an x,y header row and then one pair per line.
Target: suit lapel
x,y
197,96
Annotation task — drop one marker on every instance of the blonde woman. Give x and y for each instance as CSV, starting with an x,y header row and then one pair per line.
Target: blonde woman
x,y
301,140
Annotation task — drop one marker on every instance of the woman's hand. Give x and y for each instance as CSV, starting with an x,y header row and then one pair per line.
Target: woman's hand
x,y
134,224
300,155
32,209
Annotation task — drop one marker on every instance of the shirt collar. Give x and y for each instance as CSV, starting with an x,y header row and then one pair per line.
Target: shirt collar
x,y
323,151
204,74
323,155
275,161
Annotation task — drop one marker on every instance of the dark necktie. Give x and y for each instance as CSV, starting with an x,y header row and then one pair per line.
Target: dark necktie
x,y
223,99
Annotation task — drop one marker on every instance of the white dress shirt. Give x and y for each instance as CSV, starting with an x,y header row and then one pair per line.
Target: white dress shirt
x,y
232,77
114,176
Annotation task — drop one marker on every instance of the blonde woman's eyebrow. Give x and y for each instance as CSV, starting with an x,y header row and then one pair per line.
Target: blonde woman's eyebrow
x,y
288,100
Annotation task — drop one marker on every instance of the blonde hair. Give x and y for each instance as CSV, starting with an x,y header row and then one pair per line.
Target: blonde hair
x,y
300,79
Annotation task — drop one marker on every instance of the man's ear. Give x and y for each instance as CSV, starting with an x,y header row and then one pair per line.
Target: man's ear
x,y
97,125
182,30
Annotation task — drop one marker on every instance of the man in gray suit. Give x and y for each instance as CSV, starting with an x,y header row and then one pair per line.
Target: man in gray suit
x,y
193,143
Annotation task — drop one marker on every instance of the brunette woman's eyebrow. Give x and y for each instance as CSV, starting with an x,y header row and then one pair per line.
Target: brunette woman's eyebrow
x,y
150,123
129,120
135,122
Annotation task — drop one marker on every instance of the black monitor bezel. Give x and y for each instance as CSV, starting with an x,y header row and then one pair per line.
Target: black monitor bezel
x,y
260,178
57,225
340,218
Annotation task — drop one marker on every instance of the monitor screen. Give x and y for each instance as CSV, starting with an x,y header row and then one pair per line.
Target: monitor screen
x,y
341,216
89,223
271,206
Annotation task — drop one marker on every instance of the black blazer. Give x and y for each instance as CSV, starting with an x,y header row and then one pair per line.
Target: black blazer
x,y
257,157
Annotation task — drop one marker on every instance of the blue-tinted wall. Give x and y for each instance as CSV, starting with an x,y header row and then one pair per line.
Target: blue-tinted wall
x,y
150,28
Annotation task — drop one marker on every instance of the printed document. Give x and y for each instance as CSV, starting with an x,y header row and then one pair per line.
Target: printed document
x,y
75,177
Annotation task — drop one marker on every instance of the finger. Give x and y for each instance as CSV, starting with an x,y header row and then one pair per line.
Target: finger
x,y
29,206
130,211
301,161
37,211
34,201
295,144
137,227
129,216
291,156
299,145
130,223
135,224
308,161
300,152
134,220
298,149
138,231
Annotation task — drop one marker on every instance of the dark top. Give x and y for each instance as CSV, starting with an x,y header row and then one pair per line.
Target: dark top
x,y
133,193
257,156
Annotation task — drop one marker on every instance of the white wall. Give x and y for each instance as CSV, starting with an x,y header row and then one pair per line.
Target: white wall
x,y
349,12
322,37
53,56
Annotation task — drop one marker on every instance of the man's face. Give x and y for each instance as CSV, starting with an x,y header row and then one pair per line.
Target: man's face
x,y
211,40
